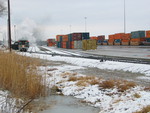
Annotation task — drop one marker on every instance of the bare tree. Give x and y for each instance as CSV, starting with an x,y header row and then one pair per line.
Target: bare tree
x,y
2,7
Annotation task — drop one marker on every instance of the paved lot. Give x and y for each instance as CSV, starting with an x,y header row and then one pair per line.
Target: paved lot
x,y
121,51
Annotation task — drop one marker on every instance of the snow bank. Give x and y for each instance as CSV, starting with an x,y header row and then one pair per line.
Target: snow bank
x,y
110,65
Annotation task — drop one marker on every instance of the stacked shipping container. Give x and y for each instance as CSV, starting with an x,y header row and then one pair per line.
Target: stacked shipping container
x,y
72,41
137,37
147,38
100,39
51,42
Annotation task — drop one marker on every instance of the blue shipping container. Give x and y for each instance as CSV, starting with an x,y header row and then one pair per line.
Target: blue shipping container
x,y
138,34
147,39
70,37
117,41
99,41
85,36
59,44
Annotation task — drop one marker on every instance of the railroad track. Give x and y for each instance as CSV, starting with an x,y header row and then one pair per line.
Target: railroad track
x,y
101,58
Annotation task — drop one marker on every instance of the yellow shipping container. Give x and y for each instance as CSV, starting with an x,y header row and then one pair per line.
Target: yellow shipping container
x,y
89,44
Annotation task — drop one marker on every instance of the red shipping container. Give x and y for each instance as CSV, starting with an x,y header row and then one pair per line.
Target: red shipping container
x,y
137,40
102,37
148,33
58,38
65,38
94,37
125,40
119,36
111,37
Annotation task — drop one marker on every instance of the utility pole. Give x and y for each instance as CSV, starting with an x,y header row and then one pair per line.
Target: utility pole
x,y
9,27
124,16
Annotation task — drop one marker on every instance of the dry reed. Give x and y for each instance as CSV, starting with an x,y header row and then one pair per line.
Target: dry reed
x,y
18,75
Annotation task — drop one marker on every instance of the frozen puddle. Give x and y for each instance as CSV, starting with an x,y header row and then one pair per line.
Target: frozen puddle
x,y
67,104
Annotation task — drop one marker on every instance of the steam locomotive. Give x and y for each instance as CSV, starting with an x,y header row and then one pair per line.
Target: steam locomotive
x,y
21,45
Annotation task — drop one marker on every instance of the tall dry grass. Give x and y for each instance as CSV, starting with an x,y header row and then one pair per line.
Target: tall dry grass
x,y
18,75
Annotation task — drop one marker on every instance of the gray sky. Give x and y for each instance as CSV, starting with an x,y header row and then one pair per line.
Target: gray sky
x,y
103,16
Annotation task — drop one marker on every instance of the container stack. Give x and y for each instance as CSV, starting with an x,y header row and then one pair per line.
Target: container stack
x,y
126,39
137,37
51,42
118,38
147,42
99,39
111,40
71,41
105,42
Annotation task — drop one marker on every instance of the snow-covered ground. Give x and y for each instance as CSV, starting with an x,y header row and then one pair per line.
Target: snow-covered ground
x,y
108,100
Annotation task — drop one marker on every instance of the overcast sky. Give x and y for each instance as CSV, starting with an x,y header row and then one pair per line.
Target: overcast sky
x,y
104,17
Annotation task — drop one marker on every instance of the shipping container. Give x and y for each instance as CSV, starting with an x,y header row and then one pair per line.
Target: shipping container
x,y
126,43
119,36
117,42
110,43
147,39
70,37
58,44
138,34
127,36
76,36
101,37
89,44
111,37
148,33
94,37
135,43
99,42
85,36
105,42
138,39
65,38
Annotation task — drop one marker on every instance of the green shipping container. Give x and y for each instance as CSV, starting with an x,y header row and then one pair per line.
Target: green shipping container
x,y
138,34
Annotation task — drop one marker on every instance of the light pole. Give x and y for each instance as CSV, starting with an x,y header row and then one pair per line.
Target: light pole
x,y
70,28
9,27
124,16
2,35
85,23
15,32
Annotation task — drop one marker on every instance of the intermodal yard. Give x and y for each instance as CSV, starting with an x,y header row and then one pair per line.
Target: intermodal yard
x,y
74,56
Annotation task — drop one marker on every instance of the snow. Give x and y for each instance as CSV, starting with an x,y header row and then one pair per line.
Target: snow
x,y
108,100
109,65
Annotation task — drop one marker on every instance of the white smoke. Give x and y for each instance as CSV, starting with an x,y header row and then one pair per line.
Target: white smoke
x,y
3,7
29,30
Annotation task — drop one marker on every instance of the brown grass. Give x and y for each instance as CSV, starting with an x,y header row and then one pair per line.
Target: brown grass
x,y
136,95
72,78
18,75
82,83
144,110
107,84
122,85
